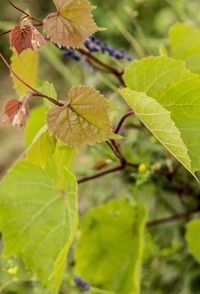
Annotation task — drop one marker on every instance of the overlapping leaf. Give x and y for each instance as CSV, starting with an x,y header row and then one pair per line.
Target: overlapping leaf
x,y
109,251
24,36
26,66
42,148
185,45
71,24
83,119
38,220
166,97
193,238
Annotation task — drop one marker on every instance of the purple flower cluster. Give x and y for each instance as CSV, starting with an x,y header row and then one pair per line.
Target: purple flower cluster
x,y
82,285
96,46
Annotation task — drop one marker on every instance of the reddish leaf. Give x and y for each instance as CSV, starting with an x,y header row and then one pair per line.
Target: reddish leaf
x,y
15,112
21,38
25,36
10,109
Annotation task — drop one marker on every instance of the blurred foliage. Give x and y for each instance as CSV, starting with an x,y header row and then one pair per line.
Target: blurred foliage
x,y
167,266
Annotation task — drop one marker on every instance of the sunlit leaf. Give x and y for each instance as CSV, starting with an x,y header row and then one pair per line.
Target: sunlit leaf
x,y
49,90
36,120
109,251
83,119
166,97
25,36
42,148
10,109
21,38
71,24
38,220
185,45
193,238
26,66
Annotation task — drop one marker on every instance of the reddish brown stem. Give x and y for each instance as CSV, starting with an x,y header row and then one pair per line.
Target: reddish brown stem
x,y
22,11
109,69
35,92
5,33
100,174
177,217
122,120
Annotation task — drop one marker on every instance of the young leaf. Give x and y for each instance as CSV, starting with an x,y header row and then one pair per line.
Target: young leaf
x,y
26,66
43,146
38,220
185,45
193,238
25,36
10,109
21,38
49,90
71,24
165,96
110,247
81,120
35,122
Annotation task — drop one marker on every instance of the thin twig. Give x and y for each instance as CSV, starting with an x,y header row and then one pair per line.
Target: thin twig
x,y
100,174
35,92
22,11
122,120
5,33
173,218
110,69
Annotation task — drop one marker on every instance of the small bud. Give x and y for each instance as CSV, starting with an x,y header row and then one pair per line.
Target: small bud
x,y
142,168
13,270
82,285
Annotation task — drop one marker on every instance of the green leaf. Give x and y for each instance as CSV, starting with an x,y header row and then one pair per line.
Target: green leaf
x,y
26,67
42,148
63,157
35,122
165,96
49,90
193,238
109,251
71,24
185,45
81,120
38,220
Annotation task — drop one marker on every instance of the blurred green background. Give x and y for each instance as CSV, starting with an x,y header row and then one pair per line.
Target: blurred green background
x,y
140,27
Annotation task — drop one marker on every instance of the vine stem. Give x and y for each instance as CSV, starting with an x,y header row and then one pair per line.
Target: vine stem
x,y
173,218
25,13
122,120
117,73
100,174
35,92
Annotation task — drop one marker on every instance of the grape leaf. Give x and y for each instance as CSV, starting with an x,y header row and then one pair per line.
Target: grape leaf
x,y
109,251
193,238
36,120
185,45
38,220
165,96
10,109
25,36
81,120
49,90
71,24
21,38
26,66
43,146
